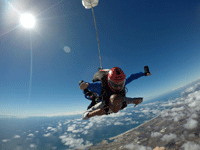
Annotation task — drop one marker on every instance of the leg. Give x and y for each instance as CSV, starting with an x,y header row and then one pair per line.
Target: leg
x,y
95,100
93,111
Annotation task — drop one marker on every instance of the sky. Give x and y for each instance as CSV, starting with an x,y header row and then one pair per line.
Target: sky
x,y
40,67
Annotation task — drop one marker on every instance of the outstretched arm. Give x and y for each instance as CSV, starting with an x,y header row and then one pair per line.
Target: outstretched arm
x,y
138,75
133,77
98,112
135,101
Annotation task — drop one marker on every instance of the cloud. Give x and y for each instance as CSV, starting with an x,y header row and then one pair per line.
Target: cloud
x,y
141,116
54,147
79,130
89,125
167,104
85,132
118,123
191,146
72,127
70,141
137,147
49,128
47,135
193,104
191,124
31,135
178,109
5,140
16,136
155,134
192,89
68,121
33,146
52,129
169,137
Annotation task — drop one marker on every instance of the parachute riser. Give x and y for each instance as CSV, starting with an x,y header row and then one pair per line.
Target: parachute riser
x,y
97,36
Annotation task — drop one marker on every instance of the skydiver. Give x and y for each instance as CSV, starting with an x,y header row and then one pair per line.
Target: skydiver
x,y
111,91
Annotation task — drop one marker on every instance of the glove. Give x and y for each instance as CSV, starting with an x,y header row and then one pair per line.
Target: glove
x,y
83,85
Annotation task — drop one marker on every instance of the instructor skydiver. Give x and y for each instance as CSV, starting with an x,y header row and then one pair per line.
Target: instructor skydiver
x,y
111,91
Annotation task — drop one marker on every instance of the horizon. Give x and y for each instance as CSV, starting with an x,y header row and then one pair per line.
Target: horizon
x,y
81,112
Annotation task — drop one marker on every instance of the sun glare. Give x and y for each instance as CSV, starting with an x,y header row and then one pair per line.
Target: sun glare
x,y
27,20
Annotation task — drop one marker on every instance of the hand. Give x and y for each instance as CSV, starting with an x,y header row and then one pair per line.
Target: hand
x,y
148,74
138,102
83,85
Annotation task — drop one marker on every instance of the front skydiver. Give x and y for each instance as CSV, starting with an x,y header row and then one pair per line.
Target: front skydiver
x,y
111,91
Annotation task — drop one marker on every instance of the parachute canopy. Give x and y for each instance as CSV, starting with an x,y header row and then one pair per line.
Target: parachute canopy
x,y
90,3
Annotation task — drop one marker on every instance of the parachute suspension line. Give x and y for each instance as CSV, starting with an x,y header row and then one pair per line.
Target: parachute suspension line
x,y
97,37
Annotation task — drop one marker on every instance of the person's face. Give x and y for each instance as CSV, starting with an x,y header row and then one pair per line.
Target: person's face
x,y
117,86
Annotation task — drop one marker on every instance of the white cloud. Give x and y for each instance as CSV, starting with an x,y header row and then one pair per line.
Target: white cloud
x,y
155,111
191,146
5,140
47,135
72,127
155,134
178,109
89,125
128,119
66,122
192,104
54,147
192,89
137,147
146,111
191,124
169,137
167,104
52,129
141,116
16,136
33,146
49,128
72,142
31,135
85,132
36,131
79,130
118,123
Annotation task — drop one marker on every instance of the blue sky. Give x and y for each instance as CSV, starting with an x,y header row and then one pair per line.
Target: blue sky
x,y
161,34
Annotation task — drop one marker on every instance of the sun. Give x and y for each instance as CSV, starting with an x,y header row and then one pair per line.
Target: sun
x,y
27,20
